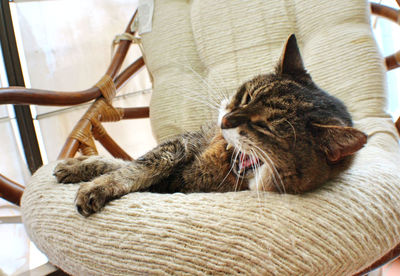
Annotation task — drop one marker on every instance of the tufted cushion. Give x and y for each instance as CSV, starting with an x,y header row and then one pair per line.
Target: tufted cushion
x,y
195,47
337,230
199,49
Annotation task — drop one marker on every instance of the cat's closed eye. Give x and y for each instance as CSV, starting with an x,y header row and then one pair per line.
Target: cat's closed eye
x,y
262,127
245,99
260,124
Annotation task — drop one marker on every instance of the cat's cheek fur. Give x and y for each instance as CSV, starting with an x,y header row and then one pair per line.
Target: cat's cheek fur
x,y
262,180
232,136
222,110
256,183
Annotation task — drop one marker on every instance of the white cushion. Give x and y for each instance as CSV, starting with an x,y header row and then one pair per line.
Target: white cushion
x,y
336,230
197,44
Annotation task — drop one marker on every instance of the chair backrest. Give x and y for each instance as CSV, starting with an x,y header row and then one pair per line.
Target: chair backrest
x,y
198,48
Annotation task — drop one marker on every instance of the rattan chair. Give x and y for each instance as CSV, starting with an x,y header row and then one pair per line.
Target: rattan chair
x,y
89,128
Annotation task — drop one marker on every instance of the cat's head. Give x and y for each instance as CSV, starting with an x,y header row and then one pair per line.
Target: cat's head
x,y
288,134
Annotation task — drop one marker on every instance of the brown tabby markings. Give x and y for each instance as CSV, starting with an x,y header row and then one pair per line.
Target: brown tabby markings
x,y
279,132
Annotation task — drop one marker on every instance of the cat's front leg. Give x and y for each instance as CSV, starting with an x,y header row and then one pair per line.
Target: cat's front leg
x,y
137,175
85,168
92,196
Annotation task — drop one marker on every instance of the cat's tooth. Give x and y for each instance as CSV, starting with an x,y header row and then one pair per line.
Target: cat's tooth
x,y
229,146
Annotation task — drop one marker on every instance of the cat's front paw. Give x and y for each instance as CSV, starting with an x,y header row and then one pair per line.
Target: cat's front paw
x,y
70,170
90,198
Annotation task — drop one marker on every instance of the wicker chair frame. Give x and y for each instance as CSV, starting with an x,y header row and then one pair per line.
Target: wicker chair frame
x,y
89,126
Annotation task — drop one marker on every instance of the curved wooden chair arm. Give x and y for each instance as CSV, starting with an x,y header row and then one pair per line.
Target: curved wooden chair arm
x,y
85,126
108,143
89,127
22,95
391,61
71,145
135,112
10,190
385,11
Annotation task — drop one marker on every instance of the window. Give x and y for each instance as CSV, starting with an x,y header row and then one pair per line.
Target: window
x,y
64,45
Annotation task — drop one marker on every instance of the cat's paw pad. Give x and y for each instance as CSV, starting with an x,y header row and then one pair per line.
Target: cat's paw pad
x,y
70,170
90,198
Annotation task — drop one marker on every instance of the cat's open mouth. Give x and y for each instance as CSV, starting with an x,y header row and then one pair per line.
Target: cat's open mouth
x,y
246,164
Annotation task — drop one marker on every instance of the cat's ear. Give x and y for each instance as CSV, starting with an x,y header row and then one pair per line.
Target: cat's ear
x,y
338,142
291,62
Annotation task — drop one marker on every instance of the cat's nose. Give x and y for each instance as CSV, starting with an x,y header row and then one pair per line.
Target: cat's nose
x,y
232,120
225,123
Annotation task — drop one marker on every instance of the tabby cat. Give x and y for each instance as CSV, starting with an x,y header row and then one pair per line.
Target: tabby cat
x,y
279,132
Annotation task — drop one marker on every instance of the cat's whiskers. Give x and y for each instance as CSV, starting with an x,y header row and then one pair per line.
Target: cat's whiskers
x,y
244,143
221,86
233,161
215,90
294,132
267,160
215,96
193,92
238,178
193,95
238,174
210,103
202,101
259,181
255,167
274,173
218,94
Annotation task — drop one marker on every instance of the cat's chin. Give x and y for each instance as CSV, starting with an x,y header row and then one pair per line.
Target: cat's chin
x,y
262,179
254,179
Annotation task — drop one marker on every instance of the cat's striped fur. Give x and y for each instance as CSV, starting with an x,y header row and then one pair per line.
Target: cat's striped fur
x,y
279,132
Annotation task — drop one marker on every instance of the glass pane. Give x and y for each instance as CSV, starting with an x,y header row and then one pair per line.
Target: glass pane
x,y
134,136
67,43
56,127
3,111
387,35
15,259
66,48
11,163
